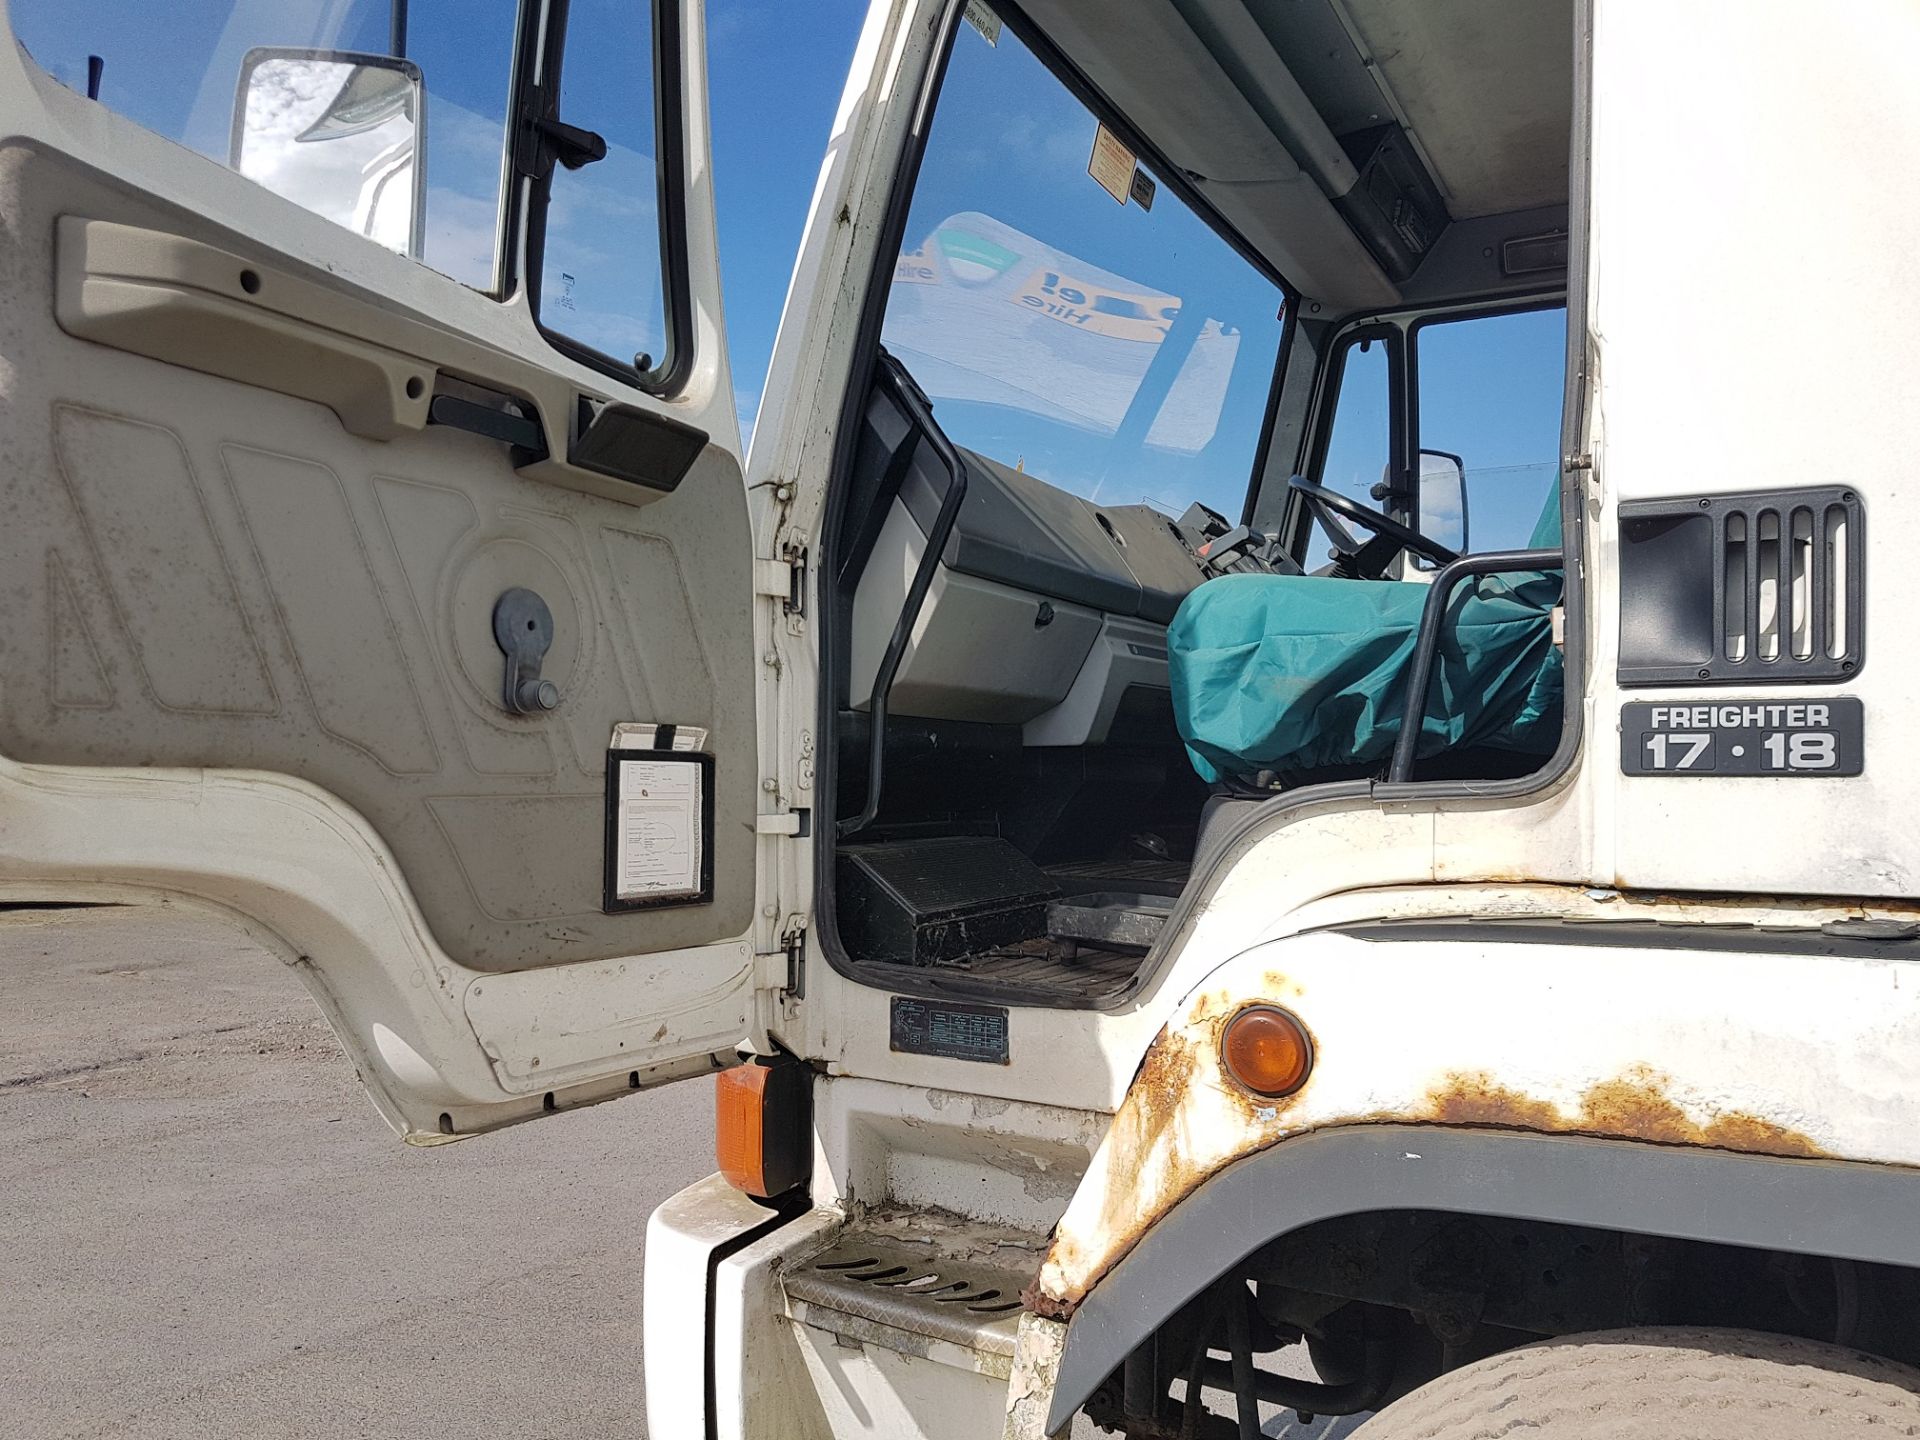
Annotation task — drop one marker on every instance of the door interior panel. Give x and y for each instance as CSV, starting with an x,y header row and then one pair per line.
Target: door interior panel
x,y
200,572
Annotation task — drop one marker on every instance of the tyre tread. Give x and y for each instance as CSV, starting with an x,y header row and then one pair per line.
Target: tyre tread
x,y
1691,1384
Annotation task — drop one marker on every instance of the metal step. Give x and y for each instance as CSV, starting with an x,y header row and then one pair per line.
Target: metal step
x,y
953,1298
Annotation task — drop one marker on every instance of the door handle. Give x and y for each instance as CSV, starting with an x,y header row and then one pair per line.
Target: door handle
x,y
523,629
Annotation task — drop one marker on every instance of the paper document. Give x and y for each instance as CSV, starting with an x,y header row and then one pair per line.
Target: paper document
x,y
659,846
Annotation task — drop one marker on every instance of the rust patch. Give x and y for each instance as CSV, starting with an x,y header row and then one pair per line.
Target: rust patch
x,y
1478,1099
1037,1302
1160,1171
1273,988
1633,1106
1160,1086
1636,1104
1758,1137
1166,1078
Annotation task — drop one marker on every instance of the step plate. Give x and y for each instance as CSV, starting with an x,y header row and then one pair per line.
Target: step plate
x,y
914,1296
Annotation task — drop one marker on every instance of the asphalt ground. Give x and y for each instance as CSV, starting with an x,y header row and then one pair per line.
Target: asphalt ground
x,y
205,1229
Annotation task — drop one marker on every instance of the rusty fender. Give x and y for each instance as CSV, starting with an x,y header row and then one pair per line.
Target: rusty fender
x,y
1769,1051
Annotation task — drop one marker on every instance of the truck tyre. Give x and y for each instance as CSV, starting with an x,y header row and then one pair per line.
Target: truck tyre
x,y
1679,1384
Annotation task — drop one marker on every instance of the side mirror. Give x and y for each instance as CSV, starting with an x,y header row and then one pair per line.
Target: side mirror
x,y
1443,499
340,134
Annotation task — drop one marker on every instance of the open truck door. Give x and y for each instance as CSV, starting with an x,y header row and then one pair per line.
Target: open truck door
x,y
377,562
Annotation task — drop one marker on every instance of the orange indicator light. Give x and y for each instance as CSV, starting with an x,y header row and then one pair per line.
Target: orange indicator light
x,y
1267,1050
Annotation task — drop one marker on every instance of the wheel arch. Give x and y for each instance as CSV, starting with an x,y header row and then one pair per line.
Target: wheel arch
x,y
1846,1209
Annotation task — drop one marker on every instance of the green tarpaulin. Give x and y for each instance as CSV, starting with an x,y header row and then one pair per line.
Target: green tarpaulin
x,y
1298,673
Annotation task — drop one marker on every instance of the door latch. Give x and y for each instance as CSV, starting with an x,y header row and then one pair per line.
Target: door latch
x,y
523,629
794,942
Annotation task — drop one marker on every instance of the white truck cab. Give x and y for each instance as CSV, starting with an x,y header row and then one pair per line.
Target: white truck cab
x,y
1266,789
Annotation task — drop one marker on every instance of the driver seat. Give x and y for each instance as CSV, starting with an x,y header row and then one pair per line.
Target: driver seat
x,y
1298,674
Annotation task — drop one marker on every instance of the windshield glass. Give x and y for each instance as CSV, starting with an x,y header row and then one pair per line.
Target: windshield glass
x,y
1066,312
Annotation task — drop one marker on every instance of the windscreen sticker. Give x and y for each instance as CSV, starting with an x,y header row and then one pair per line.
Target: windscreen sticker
x,y
1112,164
968,300
1087,305
915,267
981,18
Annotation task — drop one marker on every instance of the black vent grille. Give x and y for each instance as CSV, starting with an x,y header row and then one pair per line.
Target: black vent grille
x,y
1754,589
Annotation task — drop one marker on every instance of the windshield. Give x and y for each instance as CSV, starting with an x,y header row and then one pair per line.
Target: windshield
x,y
1066,312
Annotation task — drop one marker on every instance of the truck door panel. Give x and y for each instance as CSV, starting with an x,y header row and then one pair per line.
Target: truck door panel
x,y
201,573
219,575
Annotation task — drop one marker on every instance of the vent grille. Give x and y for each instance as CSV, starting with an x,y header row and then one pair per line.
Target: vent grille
x,y
1746,589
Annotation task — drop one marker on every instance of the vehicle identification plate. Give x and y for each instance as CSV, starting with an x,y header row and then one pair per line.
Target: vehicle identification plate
x,y
1743,737
948,1028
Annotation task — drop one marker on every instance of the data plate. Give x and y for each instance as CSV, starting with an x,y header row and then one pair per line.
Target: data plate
x,y
949,1028
1743,737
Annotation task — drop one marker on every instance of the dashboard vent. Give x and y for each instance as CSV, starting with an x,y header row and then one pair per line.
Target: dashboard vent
x,y
1747,589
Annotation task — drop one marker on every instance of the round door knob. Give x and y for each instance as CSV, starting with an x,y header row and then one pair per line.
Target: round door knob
x,y
537,695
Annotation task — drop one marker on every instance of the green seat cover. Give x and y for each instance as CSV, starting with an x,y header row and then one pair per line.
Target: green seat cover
x,y
1294,673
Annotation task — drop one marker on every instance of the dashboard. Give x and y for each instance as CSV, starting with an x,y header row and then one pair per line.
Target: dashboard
x,y
1047,611
1018,530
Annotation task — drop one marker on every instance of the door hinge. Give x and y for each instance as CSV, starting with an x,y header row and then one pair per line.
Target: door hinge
x,y
786,579
794,942
797,823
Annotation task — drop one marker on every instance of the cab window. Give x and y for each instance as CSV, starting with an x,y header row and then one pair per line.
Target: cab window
x,y
601,283
1359,457
1488,394
392,119
1483,394
1064,309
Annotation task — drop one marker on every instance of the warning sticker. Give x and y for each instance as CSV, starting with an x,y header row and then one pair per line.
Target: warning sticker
x,y
1112,164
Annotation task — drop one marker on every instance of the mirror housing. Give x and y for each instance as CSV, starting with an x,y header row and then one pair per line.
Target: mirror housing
x,y
339,133
1443,499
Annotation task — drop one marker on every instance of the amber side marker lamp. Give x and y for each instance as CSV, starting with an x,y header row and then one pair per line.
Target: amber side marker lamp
x,y
763,1130
1267,1050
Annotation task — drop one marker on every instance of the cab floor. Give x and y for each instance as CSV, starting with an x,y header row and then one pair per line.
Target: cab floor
x,y
1075,971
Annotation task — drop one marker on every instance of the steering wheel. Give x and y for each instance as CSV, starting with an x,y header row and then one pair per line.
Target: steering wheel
x,y
1369,558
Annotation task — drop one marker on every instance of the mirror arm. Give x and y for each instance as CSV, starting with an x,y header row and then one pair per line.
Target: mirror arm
x,y
571,145
1391,496
545,138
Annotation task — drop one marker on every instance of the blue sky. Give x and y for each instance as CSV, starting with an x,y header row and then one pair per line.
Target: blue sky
x,y
777,72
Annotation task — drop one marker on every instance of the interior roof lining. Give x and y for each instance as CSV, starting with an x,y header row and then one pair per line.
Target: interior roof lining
x,y
1436,72
1147,62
